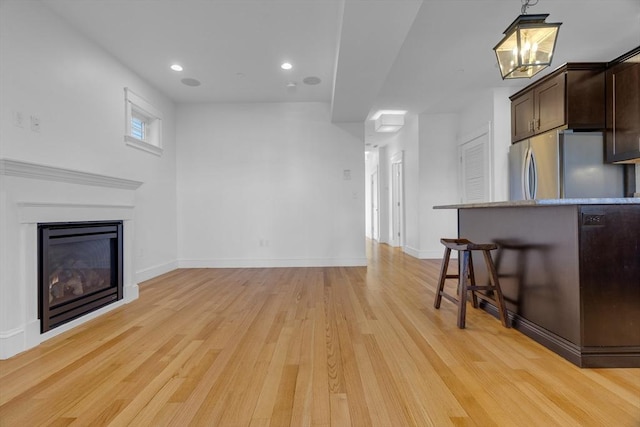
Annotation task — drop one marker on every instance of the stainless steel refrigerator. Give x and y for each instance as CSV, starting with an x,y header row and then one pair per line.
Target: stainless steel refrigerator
x,y
562,164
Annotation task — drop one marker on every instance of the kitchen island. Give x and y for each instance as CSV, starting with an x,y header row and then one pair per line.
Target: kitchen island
x,y
569,270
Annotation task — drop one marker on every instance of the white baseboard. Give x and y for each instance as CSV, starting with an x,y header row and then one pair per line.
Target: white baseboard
x,y
428,254
11,342
130,292
271,263
155,271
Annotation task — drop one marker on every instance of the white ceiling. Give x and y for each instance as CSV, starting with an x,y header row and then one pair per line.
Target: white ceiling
x,y
423,56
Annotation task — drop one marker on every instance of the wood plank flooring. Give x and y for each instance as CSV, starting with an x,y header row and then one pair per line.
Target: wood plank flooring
x,y
305,347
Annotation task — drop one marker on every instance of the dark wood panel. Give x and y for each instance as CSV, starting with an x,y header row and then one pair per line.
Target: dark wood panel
x,y
610,275
586,99
550,109
537,262
522,117
623,112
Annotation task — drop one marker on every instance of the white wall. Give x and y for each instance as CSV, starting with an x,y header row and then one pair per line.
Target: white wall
x,y
265,185
501,133
76,89
438,181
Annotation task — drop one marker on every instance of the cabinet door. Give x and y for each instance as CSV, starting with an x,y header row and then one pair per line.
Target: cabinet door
x,y
549,110
522,116
609,271
623,111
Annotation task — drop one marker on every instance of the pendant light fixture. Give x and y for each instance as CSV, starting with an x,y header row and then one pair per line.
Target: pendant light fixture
x,y
528,45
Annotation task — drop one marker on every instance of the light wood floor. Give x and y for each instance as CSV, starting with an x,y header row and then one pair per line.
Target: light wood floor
x,y
305,346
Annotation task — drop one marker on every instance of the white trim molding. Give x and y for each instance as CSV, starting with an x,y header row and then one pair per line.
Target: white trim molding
x,y
152,140
271,263
22,169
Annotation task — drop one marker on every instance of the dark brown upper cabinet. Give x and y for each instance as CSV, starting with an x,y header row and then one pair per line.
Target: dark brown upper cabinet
x,y
573,96
622,135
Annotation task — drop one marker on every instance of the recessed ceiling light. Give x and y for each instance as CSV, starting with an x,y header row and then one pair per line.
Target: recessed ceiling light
x,y
286,66
176,67
378,113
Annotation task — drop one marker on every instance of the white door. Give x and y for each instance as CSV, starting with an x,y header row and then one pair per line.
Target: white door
x,y
475,168
397,201
375,214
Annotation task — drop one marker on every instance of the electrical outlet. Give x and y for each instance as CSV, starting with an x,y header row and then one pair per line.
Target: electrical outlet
x,y
592,219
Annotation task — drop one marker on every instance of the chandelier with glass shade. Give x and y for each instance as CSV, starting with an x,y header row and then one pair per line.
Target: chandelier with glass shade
x,y
528,45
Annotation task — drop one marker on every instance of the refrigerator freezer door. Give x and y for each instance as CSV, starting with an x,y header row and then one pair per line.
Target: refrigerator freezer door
x,y
546,157
585,173
517,154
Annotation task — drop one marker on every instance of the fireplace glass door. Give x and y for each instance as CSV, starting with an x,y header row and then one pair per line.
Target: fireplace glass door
x,y
80,269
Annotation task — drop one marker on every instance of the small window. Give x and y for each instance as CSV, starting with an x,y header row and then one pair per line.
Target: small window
x,y
143,124
138,125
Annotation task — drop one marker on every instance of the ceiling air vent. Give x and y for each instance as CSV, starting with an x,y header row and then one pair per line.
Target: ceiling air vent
x,y
311,80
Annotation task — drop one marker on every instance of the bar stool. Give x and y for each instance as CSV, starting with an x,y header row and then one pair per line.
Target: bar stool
x,y
467,281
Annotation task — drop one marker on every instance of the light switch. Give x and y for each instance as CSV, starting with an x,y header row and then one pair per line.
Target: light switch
x,y
35,124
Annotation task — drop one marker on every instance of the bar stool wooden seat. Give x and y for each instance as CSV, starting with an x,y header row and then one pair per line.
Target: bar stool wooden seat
x,y
467,281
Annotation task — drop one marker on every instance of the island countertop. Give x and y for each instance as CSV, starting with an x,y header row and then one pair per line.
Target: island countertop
x,y
545,202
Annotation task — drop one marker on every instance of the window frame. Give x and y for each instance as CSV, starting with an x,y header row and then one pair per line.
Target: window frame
x,y
151,118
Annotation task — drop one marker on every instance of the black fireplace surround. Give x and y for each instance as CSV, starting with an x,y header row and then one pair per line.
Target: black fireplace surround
x,y
80,269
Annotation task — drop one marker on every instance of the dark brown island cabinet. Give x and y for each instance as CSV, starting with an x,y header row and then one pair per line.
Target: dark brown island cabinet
x,y
569,271
622,135
572,95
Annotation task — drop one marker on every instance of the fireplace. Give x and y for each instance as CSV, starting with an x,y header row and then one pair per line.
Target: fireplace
x,y
80,269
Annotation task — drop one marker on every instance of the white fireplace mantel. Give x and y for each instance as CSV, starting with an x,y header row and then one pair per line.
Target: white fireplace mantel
x,y
31,194
19,168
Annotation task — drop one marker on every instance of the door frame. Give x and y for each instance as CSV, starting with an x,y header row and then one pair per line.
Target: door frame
x,y
375,205
397,200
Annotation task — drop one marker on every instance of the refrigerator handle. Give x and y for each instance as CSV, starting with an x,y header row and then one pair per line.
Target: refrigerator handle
x,y
530,175
533,175
526,166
